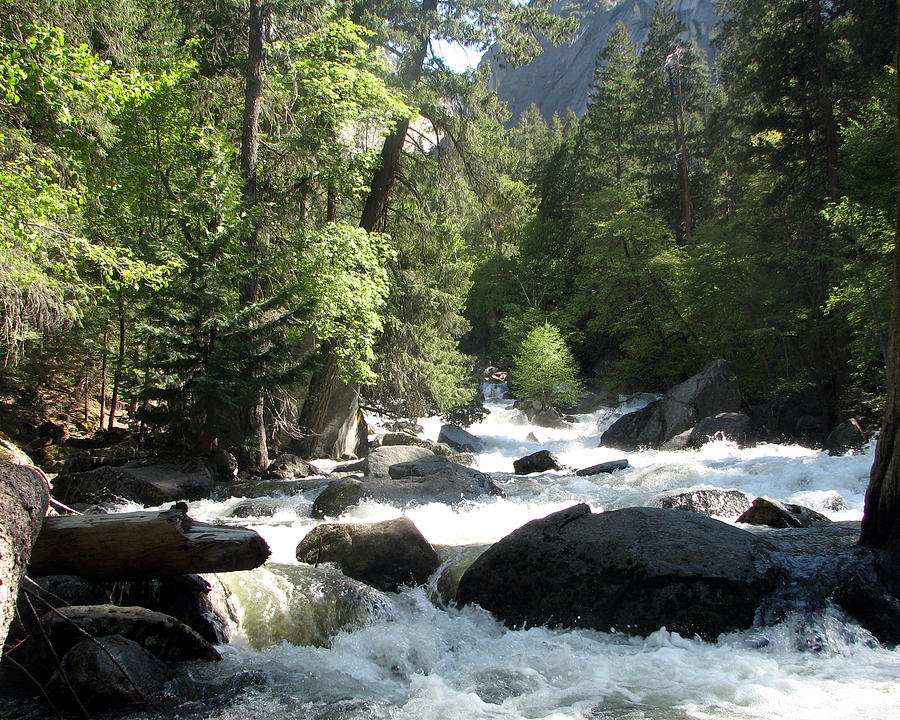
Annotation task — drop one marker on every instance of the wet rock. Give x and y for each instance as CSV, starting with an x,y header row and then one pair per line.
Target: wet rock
x,y
537,462
846,437
731,425
467,459
258,507
287,467
148,482
407,439
405,426
604,467
266,488
167,638
187,598
379,461
866,599
459,439
531,437
337,497
99,681
712,502
62,590
766,511
634,570
712,391
384,555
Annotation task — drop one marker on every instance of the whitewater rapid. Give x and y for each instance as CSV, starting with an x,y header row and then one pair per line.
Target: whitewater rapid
x,y
407,655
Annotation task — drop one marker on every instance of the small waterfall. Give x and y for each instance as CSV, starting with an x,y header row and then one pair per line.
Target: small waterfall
x,y
494,390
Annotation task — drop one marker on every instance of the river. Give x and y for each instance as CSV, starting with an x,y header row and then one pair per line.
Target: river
x,y
407,655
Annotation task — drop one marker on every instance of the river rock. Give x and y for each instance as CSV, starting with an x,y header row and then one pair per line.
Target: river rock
x,y
337,497
459,439
148,482
99,681
379,461
604,467
384,555
712,391
287,466
253,489
257,507
537,462
866,599
634,570
766,511
63,590
848,436
401,438
712,502
734,426
187,598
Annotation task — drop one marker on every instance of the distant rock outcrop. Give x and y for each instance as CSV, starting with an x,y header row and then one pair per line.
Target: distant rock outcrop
x,y
560,77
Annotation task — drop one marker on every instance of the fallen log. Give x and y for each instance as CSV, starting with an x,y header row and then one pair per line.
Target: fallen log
x,y
24,495
139,545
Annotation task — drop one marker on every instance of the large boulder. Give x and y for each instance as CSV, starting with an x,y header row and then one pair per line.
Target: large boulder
x,y
379,461
148,482
384,555
734,426
107,672
634,570
848,436
459,439
712,502
712,391
432,478
537,462
402,438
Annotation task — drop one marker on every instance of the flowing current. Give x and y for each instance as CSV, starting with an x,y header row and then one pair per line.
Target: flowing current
x,y
314,645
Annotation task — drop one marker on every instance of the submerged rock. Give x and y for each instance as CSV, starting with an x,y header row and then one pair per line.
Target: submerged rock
x,y
604,467
384,555
634,570
537,462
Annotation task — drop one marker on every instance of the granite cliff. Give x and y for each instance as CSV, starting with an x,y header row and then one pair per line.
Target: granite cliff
x,y
560,77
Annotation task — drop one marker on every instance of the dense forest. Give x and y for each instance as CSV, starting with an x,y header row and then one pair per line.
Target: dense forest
x,y
216,212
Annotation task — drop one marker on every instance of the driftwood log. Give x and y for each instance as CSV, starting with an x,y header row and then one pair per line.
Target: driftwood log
x,y
24,496
140,545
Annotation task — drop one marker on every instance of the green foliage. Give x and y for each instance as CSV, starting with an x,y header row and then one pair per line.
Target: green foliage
x,y
543,368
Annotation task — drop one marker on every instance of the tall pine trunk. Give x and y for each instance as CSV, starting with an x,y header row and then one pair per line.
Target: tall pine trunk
x,y
254,410
881,518
120,364
321,385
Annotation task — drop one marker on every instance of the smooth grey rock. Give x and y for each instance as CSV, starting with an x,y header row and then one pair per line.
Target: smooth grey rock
x,y
634,570
380,460
401,438
537,462
459,439
337,497
712,502
604,467
384,555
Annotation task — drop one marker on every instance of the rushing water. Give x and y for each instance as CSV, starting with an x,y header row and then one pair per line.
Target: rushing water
x,y
316,645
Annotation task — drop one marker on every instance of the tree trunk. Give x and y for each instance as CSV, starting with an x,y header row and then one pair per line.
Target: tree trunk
x,y
120,363
138,545
254,412
881,518
24,496
103,365
318,399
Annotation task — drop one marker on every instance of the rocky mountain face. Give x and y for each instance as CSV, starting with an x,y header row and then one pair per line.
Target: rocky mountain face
x,y
560,77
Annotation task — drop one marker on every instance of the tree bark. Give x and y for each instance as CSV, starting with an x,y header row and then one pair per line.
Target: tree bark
x,y
103,365
254,412
881,517
24,496
321,385
120,364
139,545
